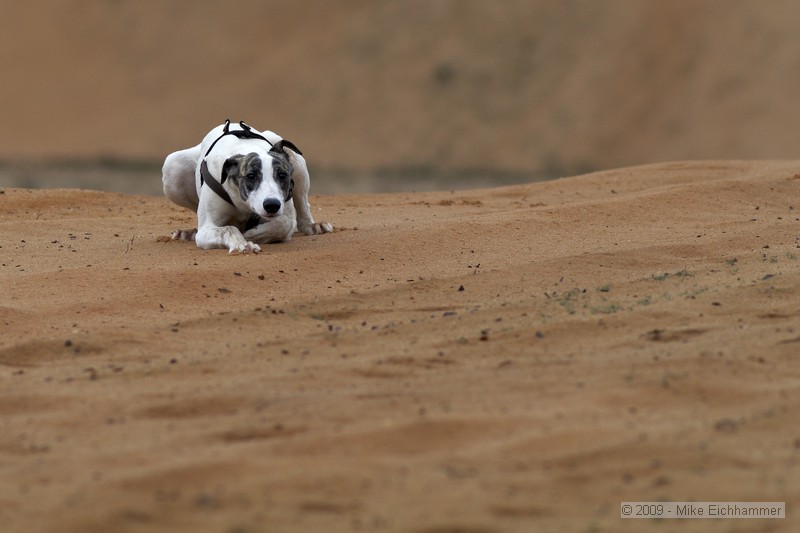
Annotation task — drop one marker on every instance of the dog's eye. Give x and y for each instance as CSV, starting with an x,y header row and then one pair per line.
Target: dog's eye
x,y
282,175
250,176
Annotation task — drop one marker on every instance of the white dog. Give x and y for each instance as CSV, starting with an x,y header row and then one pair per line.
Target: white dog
x,y
240,181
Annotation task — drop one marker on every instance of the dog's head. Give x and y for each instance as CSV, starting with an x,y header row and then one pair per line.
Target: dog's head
x,y
264,182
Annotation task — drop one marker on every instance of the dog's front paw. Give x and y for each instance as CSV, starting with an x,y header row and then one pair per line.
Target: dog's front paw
x,y
317,228
184,234
245,247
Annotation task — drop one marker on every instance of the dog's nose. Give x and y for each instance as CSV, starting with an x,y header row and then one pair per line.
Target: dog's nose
x,y
272,205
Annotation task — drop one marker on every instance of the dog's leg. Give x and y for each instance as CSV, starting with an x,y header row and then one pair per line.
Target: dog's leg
x,y
184,234
302,182
229,237
278,229
214,229
178,177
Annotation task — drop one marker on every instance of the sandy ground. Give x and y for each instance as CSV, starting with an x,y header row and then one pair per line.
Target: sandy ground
x,y
511,359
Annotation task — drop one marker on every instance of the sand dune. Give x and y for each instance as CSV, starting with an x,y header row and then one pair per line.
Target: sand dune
x,y
510,359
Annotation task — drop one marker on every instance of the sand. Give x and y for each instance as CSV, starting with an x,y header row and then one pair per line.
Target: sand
x,y
512,359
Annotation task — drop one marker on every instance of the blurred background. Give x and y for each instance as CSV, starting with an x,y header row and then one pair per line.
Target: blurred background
x,y
395,95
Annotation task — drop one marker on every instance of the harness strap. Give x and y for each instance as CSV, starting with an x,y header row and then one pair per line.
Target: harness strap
x,y
206,177
245,133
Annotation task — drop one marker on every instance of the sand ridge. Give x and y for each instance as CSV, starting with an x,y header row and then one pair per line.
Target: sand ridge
x,y
511,359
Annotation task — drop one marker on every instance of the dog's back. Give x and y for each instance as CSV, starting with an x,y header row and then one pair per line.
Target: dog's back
x,y
178,177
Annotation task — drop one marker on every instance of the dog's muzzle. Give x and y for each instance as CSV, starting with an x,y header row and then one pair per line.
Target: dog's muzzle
x,y
272,206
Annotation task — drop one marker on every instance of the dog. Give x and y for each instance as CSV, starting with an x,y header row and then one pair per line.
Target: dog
x,y
247,187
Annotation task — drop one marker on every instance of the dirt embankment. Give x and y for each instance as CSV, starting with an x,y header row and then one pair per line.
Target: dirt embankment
x,y
514,88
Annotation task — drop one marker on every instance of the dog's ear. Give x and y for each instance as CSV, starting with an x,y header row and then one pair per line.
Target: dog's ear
x,y
230,168
280,147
